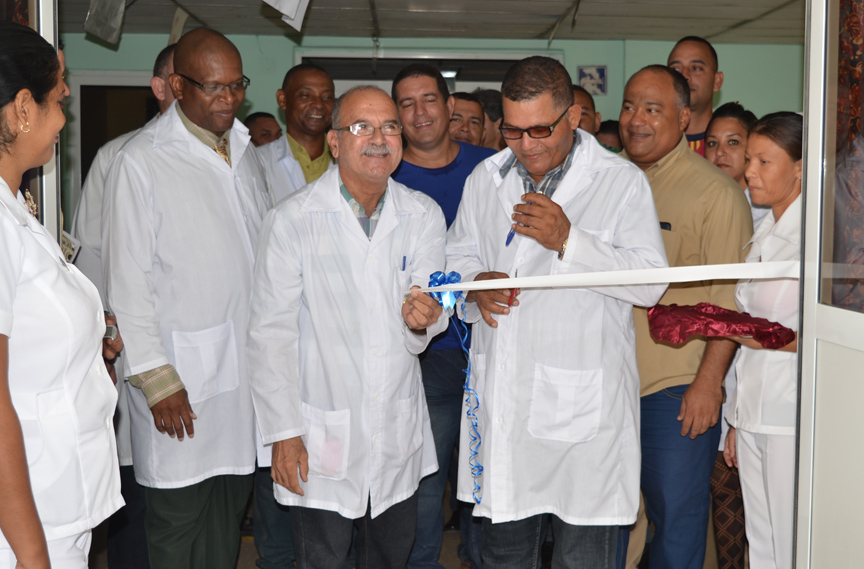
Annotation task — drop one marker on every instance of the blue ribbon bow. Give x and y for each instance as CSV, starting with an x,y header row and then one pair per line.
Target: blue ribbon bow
x,y
448,298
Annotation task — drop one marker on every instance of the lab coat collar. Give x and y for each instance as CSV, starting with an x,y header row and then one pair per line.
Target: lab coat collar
x,y
11,203
169,129
588,159
324,196
788,228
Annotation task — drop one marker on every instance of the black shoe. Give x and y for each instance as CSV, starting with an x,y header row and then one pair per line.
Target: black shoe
x,y
453,523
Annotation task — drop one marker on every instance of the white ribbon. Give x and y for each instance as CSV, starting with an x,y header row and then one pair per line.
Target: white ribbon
x,y
734,271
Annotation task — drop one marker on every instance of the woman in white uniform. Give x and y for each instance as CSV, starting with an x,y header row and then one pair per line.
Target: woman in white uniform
x,y
58,474
763,410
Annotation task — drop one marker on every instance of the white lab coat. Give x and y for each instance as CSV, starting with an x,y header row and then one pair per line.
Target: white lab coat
x,y
557,380
766,398
283,170
87,228
178,249
60,388
330,357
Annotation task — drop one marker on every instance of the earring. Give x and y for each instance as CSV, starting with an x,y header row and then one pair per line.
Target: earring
x,y
28,128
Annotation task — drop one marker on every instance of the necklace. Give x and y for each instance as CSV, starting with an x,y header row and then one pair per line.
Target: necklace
x,y
31,205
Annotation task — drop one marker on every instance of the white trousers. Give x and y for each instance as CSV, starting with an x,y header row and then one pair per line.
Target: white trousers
x,y
67,553
766,465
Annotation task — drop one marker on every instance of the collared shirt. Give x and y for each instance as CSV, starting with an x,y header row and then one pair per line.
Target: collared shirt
x,y
766,398
205,136
706,221
367,222
312,169
550,181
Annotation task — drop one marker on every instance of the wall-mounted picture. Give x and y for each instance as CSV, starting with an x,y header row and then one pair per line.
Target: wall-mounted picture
x,y
593,78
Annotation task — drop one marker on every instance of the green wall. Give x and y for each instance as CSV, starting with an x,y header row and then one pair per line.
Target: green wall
x,y
764,78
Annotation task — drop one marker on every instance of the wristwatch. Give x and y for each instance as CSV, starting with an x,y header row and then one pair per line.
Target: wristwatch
x,y
563,249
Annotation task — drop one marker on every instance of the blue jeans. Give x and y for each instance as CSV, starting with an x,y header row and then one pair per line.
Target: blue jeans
x,y
517,545
471,532
676,481
443,378
322,538
271,525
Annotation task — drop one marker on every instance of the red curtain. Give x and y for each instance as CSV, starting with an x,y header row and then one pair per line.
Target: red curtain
x,y
848,292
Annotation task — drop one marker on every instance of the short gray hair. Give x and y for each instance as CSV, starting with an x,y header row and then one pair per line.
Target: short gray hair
x,y
337,106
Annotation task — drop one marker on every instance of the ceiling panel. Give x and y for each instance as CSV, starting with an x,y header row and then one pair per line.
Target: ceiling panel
x,y
774,21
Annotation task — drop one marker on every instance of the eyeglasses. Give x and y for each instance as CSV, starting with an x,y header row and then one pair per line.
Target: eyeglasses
x,y
513,133
365,129
236,87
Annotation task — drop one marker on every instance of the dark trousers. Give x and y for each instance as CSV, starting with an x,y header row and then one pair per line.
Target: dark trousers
x,y
197,527
322,539
518,544
271,525
127,540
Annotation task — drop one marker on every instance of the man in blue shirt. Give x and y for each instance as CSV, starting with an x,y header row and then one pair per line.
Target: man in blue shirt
x,y
437,166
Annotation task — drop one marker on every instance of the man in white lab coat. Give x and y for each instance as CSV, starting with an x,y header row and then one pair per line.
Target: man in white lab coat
x,y
127,542
185,199
333,344
555,369
302,155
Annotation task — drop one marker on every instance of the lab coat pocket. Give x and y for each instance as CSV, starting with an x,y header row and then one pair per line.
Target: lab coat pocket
x,y
206,361
53,441
565,404
409,436
327,440
401,283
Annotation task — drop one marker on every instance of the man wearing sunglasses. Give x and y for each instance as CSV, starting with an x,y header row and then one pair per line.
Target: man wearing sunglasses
x,y
333,344
554,369
184,201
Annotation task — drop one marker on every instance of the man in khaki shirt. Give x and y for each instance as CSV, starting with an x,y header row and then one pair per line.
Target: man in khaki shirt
x,y
705,221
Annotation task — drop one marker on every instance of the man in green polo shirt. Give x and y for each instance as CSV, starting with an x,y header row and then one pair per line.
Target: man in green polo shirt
x,y
302,155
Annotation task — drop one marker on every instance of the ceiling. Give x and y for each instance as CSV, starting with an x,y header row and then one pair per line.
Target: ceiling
x,y
722,21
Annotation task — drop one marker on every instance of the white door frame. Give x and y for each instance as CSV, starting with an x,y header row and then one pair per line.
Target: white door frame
x,y
77,79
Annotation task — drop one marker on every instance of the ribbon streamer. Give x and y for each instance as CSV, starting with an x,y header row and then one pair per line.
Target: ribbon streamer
x,y
447,299
733,271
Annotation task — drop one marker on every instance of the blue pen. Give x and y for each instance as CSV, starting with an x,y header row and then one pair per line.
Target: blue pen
x,y
513,231
403,262
510,236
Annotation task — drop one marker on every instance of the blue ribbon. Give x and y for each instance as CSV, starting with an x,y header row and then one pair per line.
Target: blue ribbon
x,y
447,300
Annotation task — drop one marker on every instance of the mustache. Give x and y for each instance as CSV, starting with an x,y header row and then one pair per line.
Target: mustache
x,y
377,150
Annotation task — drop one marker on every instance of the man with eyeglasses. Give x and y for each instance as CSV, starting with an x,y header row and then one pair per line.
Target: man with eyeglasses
x,y
438,166
185,199
333,344
554,369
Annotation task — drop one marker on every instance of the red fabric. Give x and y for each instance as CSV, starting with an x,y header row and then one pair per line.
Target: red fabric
x,y
677,324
